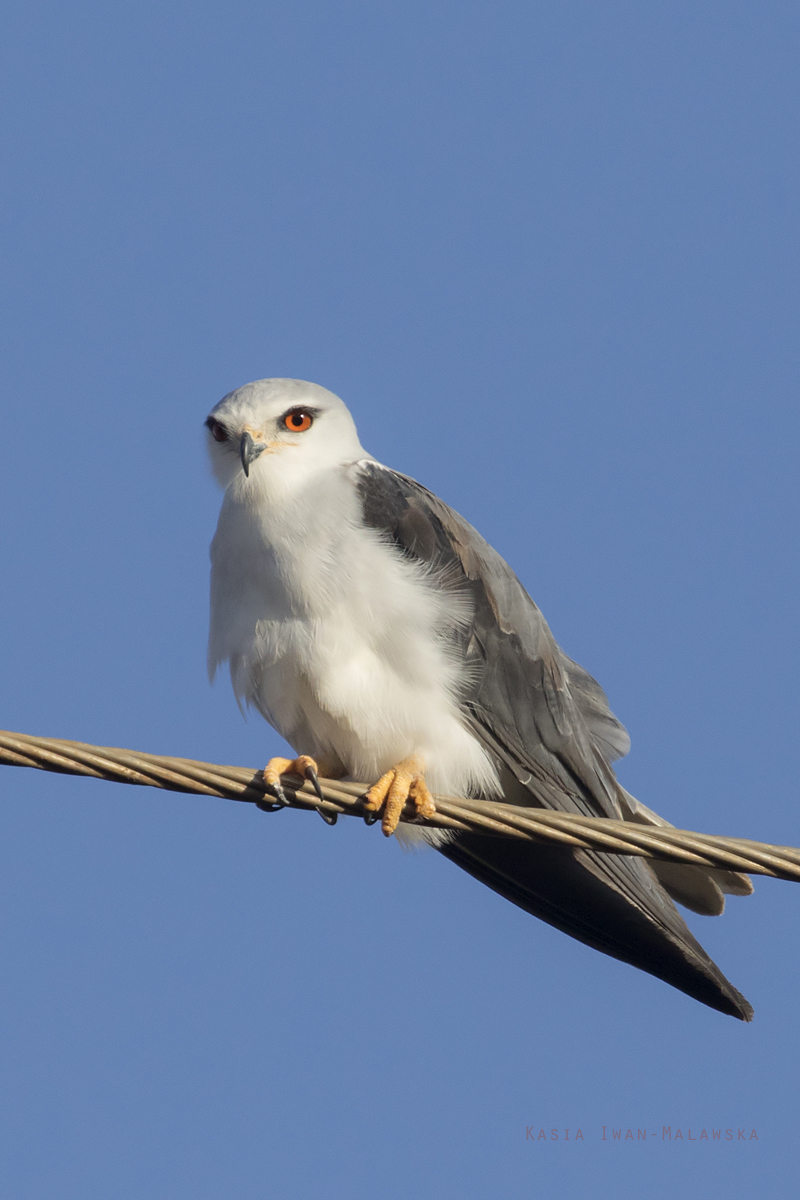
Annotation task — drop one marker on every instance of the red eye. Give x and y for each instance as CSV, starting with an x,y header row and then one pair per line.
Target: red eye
x,y
298,420
218,432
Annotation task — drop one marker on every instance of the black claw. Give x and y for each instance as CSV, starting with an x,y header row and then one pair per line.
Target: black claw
x,y
371,817
328,818
313,778
267,807
279,793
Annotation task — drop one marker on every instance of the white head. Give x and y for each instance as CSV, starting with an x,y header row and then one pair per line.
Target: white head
x,y
278,432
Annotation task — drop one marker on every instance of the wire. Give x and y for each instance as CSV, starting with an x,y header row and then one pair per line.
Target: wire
x,y
345,798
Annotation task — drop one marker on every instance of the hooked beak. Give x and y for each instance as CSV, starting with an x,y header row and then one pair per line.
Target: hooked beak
x,y
249,451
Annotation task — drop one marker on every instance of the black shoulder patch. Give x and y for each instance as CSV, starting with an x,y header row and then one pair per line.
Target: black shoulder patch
x,y
401,508
382,500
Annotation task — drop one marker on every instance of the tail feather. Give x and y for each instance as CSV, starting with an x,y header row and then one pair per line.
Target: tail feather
x,y
702,889
611,903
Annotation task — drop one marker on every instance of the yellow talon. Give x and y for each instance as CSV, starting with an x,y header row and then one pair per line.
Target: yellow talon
x,y
401,783
423,800
303,765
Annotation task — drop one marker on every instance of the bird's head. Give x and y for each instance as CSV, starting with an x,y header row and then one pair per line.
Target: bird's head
x,y
279,430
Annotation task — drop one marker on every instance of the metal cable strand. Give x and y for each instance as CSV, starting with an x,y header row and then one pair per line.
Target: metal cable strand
x,y
344,797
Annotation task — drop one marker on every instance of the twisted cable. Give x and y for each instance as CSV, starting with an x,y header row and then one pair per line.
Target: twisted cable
x,y
345,798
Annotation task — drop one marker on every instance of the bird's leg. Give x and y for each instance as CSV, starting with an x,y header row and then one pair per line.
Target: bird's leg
x,y
401,783
306,768
303,765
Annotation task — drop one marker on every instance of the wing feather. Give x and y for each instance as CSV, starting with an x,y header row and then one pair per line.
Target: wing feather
x,y
548,725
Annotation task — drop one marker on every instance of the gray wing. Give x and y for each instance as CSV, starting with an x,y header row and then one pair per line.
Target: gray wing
x,y
542,713
609,737
548,727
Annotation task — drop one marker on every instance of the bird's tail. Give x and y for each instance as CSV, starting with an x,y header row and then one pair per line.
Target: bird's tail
x,y
702,889
612,903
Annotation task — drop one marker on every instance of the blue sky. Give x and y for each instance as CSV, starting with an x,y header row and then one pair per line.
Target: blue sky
x,y
548,255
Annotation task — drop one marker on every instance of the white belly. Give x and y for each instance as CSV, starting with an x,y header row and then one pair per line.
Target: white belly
x,y
342,644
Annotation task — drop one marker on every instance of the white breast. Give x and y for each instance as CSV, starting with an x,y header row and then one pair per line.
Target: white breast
x,y
337,639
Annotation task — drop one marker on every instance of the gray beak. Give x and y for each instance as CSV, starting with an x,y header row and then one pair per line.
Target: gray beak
x,y
249,451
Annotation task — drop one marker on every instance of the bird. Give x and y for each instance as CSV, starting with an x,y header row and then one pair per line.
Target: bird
x,y
386,641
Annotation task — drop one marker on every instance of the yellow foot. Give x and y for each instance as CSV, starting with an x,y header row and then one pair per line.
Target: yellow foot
x,y
303,765
403,782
